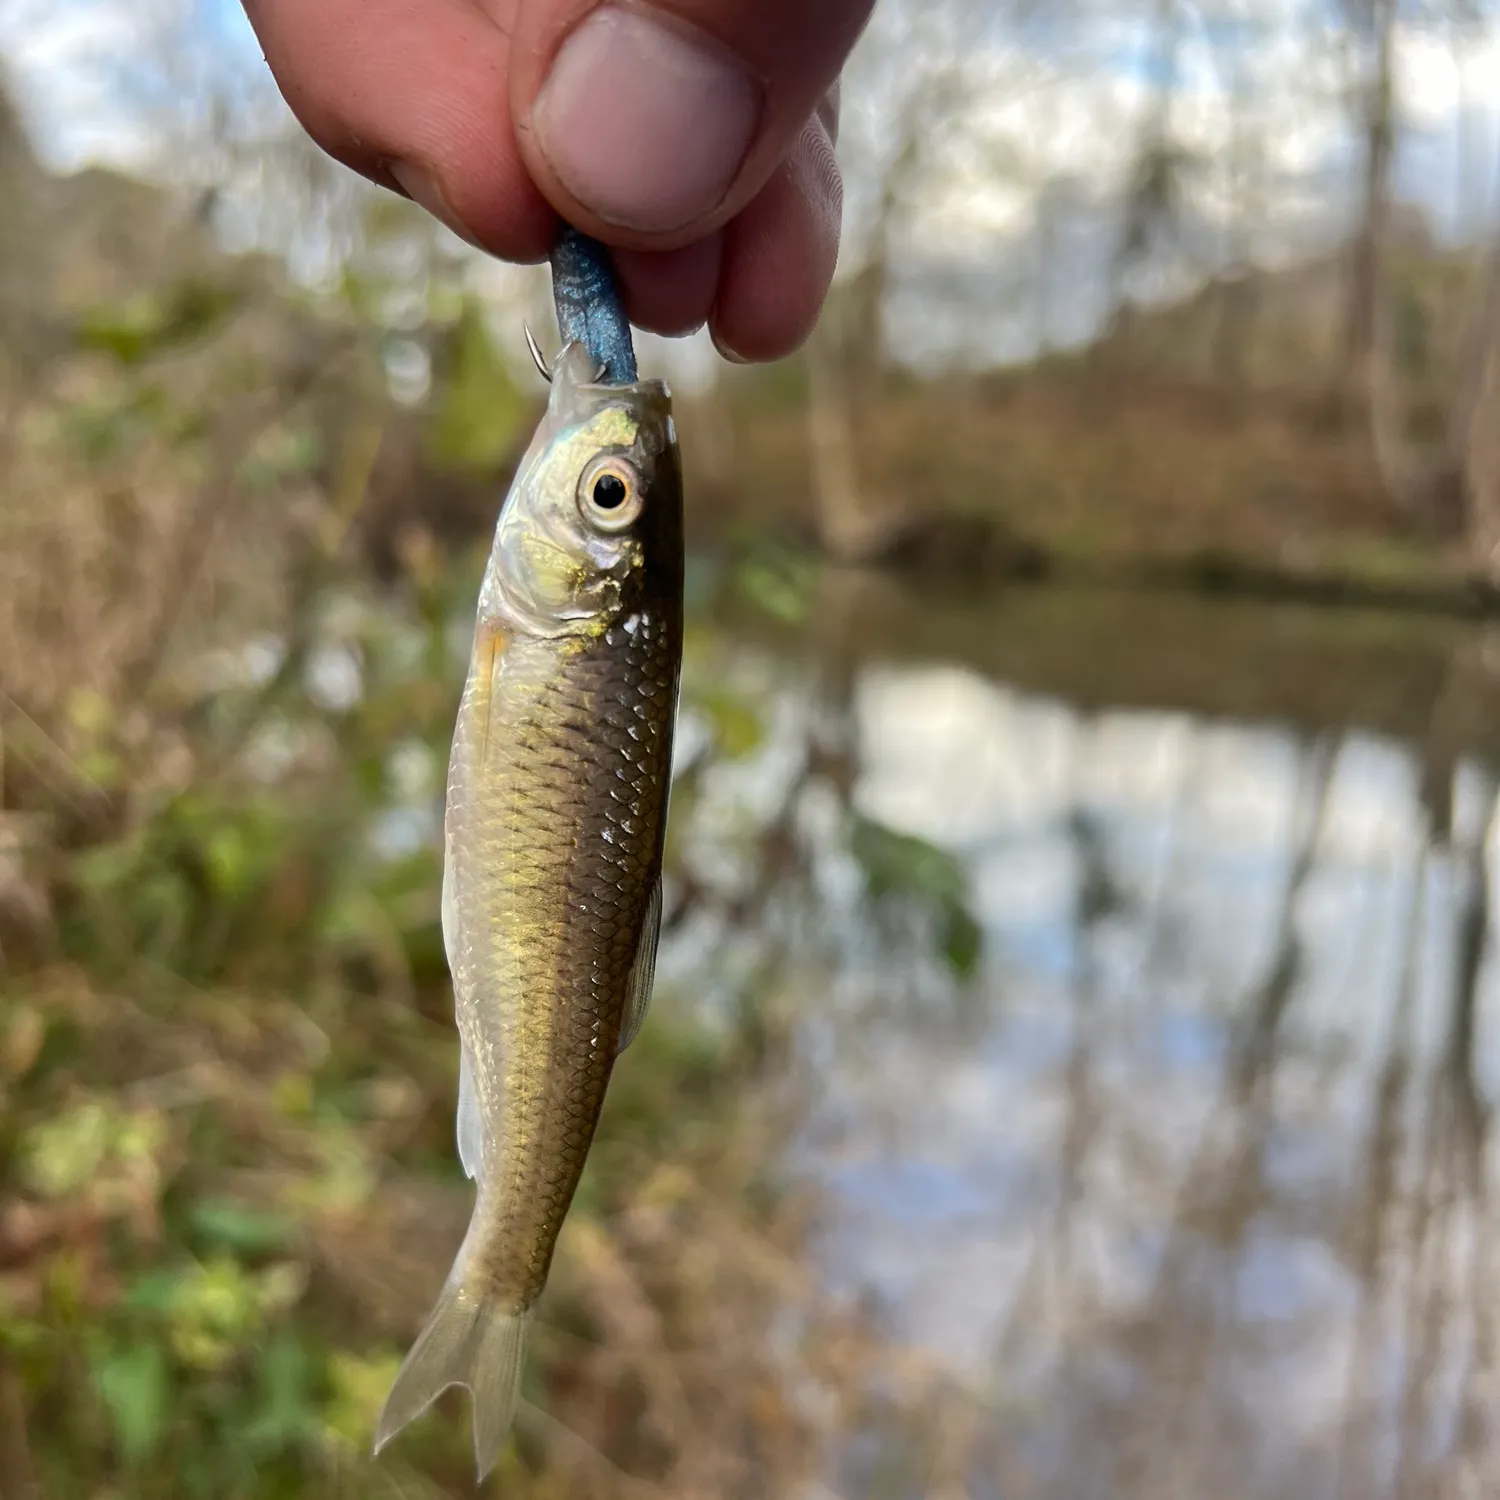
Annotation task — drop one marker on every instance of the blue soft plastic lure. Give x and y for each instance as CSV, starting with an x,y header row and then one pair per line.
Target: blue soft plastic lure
x,y
589,309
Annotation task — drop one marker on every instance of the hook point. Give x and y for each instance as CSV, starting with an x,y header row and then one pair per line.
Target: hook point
x,y
537,358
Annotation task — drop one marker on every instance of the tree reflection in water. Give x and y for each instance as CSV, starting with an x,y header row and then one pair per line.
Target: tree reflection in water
x,y
1140,1059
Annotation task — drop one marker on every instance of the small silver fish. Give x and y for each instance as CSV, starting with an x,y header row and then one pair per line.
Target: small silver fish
x,y
554,827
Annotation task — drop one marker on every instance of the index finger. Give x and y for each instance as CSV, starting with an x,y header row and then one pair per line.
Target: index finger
x,y
413,95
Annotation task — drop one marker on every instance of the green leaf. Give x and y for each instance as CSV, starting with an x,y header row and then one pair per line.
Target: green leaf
x,y
779,587
963,941
138,328
737,728
64,1154
101,869
246,1231
360,1387
132,1384
227,859
899,866
286,1413
155,1292
215,1310
898,863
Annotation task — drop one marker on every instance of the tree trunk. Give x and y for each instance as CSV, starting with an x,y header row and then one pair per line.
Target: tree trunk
x,y
846,358
25,273
864,331
1150,198
1366,264
1371,393
842,516
1473,452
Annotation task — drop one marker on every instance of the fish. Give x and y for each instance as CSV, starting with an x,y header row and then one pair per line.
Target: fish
x,y
553,834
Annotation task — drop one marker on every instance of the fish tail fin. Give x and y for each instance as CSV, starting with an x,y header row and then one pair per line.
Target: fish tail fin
x,y
468,1341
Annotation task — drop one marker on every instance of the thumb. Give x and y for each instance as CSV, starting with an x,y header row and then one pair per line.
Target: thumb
x,y
650,125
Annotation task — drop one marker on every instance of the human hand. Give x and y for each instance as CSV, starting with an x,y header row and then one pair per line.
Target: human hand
x,y
695,137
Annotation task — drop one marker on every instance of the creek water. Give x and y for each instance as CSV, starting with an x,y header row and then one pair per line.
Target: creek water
x,y
1134,957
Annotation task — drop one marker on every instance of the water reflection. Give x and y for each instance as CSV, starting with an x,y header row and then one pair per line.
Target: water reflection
x,y
1175,1175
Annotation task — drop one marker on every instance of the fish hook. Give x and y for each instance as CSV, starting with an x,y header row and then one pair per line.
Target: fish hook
x,y
537,358
540,360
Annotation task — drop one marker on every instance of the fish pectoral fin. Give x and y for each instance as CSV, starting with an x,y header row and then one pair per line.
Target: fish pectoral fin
x,y
449,913
642,971
470,1125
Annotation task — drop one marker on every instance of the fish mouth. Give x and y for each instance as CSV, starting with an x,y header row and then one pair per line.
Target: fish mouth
x,y
578,390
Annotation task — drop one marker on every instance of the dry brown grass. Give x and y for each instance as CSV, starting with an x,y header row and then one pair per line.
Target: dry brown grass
x,y
1085,465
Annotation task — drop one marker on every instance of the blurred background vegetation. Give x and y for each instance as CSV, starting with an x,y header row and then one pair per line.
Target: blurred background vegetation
x,y
1076,1039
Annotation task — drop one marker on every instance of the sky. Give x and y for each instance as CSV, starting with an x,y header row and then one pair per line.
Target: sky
x,y
84,70
90,79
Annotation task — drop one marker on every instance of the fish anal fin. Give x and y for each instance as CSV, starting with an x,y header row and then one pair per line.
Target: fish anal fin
x,y
642,971
449,913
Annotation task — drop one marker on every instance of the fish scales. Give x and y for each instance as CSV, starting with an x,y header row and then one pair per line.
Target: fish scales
x,y
566,816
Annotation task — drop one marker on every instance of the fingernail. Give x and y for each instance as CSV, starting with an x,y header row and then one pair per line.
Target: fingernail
x,y
422,188
644,124
725,352
829,109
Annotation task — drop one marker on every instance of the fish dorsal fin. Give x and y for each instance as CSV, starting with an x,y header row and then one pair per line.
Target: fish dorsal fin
x,y
642,971
470,1125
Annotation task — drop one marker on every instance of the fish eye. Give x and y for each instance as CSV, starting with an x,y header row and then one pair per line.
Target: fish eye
x,y
610,494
